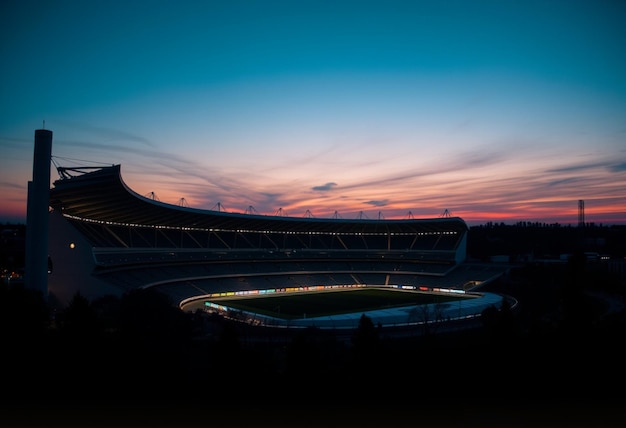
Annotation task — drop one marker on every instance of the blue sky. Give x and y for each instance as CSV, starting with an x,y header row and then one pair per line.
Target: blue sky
x,y
492,110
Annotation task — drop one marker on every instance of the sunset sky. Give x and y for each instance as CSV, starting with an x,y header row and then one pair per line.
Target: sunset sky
x,y
499,110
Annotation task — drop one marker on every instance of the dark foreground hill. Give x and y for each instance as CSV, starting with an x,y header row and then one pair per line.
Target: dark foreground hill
x,y
139,360
556,360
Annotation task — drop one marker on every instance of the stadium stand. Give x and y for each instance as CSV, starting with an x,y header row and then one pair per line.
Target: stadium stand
x,y
107,239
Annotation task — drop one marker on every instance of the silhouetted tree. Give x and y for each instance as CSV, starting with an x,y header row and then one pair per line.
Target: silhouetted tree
x,y
78,342
149,318
303,349
229,340
78,320
108,310
365,341
429,316
489,317
24,340
24,314
500,324
227,359
152,339
575,312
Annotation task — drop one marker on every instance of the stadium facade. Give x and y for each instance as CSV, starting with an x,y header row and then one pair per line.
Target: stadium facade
x,y
106,239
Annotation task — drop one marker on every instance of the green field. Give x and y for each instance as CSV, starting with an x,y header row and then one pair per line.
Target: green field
x,y
325,303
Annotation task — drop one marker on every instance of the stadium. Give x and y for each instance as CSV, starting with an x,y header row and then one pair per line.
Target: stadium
x,y
106,239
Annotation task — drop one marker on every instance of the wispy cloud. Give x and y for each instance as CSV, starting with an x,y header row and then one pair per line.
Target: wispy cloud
x,y
108,134
564,181
617,167
166,165
13,140
379,203
325,187
605,164
12,185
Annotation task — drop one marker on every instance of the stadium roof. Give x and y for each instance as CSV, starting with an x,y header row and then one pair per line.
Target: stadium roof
x,y
100,194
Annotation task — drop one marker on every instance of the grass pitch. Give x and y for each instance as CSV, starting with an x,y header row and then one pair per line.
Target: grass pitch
x,y
328,303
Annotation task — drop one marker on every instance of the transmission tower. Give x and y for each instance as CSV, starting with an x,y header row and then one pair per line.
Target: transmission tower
x,y
581,213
